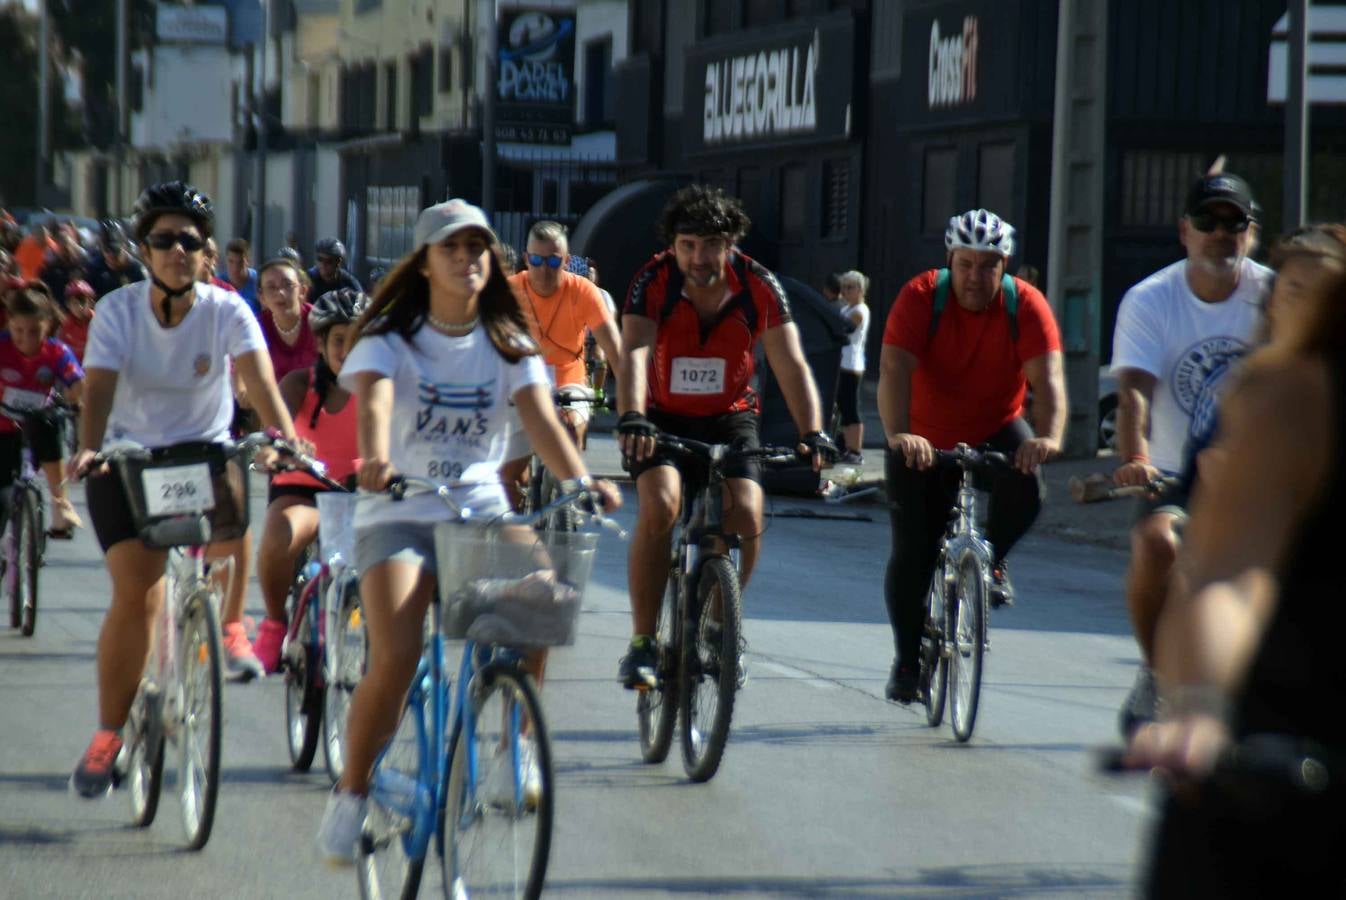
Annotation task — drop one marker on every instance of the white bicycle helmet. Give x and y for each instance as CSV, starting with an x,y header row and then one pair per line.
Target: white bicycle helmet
x,y
980,229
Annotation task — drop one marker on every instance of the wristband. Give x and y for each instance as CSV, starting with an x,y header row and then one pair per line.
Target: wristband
x,y
1138,457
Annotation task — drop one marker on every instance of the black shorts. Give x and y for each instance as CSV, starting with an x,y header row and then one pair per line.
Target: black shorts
x,y
739,428
44,439
306,492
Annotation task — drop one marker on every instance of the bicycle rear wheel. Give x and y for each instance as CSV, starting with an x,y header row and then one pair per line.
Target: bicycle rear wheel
x,y
28,557
934,654
657,710
967,640
345,652
710,667
201,670
388,866
145,754
496,836
303,696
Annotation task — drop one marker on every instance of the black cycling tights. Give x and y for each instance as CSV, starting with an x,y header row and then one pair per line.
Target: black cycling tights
x,y
920,504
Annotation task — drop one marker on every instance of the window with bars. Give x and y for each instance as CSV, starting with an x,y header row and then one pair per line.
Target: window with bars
x,y
836,198
390,214
422,65
445,69
1155,184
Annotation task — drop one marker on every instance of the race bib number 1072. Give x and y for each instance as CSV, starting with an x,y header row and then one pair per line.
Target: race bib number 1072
x,y
697,375
178,489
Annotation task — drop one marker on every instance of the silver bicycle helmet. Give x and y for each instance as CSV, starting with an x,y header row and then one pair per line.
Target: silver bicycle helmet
x,y
980,229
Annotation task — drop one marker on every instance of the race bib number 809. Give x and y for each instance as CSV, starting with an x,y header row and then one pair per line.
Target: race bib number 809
x,y
697,375
178,489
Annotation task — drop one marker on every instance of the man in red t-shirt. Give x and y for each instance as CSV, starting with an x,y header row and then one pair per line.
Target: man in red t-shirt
x,y
693,318
960,376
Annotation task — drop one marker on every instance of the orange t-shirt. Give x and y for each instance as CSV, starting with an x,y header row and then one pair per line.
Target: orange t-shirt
x,y
31,255
558,322
970,381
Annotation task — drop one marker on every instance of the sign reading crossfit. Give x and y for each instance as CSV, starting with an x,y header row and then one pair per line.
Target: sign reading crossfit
x,y
953,66
535,84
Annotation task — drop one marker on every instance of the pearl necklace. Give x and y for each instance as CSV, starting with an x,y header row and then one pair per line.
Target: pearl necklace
x,y
455,328
292,331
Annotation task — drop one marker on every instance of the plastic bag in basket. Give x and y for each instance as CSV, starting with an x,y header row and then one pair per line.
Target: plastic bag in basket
x,y
535,610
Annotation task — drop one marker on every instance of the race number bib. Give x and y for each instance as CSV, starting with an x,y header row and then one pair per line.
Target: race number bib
x,y
696,375
21,399
178,489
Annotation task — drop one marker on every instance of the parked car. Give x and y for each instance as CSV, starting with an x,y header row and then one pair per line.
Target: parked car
x,y
1107,409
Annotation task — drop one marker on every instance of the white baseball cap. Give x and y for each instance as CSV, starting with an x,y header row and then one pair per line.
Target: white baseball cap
x,y
437,222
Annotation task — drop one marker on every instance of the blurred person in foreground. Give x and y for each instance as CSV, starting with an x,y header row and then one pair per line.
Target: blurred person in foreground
x,y
1246,644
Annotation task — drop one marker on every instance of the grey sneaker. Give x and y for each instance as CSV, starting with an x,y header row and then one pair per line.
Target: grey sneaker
x,y
1141,704
339,833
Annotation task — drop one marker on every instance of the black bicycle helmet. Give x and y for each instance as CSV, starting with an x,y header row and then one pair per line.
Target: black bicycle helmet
x,y
330,247
339,307
172,197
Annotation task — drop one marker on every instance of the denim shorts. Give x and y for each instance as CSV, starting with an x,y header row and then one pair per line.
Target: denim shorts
x,y
408,542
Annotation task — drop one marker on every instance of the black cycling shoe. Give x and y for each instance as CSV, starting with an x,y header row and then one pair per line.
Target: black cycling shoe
x,y
1002,591
1141,706
904,684
639,668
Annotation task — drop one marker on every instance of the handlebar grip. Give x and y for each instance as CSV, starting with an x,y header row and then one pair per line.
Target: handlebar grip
x,y
396,487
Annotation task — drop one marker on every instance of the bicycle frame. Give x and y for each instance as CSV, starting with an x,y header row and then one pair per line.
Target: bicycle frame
x,y
965,536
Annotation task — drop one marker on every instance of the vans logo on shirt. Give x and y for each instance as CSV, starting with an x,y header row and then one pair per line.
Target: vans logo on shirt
x,y
1201,366
434,423
202,365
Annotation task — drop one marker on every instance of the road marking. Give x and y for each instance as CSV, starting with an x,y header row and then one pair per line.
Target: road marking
x,y
798,675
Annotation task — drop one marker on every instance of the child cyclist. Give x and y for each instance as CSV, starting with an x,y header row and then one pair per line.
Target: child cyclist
x,y
32,362
79,300
324,414
439,355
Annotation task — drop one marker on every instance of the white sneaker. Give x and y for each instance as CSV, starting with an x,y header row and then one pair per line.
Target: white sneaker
x,y
339,833
499,783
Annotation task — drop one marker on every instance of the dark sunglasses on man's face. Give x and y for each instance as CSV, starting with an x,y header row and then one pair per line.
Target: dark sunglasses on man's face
x,y
1206,222
553,261
165,240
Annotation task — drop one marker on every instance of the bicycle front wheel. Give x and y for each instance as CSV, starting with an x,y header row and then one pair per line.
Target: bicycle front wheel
x,y
303,697
563,519
657,709
145,754
201,671
934,650
345,651
711,667
389,866
28,554
967,641
496,835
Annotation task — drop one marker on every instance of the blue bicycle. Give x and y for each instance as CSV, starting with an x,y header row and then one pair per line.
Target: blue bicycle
x,y
478,783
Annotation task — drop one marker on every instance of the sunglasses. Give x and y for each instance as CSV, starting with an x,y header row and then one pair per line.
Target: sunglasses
x,y
553,261
1207,222
166,240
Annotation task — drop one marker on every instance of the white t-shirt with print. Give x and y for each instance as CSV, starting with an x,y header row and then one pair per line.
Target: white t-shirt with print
x,y
451,418
1187,344
172,383
853,354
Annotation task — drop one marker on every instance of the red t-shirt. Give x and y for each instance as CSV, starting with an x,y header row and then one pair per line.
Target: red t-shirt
x,y
285,358
75,334
697,370
970,382
27,381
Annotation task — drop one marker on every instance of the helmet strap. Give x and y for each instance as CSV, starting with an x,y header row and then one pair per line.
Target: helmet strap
x,y
169,294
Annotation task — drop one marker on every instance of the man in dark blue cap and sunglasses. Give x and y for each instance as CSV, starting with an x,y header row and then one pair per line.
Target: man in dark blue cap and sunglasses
x,y
1178,334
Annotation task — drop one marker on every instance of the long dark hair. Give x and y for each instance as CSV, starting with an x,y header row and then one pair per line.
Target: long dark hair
x,y
323,379
402,300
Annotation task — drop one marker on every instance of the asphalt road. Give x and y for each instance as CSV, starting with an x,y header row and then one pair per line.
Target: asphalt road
x,y
826,790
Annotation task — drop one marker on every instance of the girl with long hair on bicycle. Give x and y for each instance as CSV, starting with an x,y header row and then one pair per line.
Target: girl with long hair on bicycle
x,y
324,415
1247,643
439,355
158,376
32,361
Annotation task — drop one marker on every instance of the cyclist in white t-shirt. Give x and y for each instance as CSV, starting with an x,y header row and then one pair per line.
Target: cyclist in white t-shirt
x,y
441,352
157,375
854,288
1178,333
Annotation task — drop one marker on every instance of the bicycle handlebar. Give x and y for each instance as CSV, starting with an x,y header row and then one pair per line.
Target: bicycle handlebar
x,y
1258,761
566,399
719,454
57,407
966,457
296,461
584,501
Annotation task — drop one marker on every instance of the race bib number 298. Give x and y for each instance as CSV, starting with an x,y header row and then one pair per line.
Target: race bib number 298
x,y
697,375
178,489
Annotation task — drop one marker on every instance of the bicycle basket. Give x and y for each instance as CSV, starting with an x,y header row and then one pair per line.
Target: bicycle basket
x,y
515,586
336,526
186,481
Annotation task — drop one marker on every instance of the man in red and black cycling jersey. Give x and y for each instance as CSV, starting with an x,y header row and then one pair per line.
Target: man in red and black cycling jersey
x,y
693,318
961,346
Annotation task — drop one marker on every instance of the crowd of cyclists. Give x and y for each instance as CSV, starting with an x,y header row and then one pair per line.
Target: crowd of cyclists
x,y
448,373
